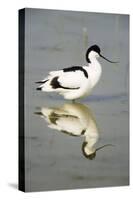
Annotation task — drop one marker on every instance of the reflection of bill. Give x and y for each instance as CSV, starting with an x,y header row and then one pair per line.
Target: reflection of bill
x,y
74,119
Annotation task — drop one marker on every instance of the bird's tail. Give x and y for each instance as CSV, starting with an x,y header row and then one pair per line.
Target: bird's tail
x,y
45,85
42,84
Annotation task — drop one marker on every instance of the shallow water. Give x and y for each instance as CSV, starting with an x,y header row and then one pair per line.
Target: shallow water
x,y
54,158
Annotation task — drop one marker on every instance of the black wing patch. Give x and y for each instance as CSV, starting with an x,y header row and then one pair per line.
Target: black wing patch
x,y
55,84
75,68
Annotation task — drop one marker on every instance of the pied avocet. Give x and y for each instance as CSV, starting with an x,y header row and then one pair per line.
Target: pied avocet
x,y
76,81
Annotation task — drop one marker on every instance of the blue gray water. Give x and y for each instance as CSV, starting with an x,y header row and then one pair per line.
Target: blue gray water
x,y
58,39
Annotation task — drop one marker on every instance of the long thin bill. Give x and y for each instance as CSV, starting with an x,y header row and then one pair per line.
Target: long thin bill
x,y
106,145
107,59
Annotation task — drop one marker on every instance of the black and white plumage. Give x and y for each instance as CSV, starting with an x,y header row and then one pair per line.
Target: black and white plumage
x,y
76,81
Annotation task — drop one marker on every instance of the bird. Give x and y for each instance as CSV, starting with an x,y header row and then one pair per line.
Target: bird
x,y
74,119
76,81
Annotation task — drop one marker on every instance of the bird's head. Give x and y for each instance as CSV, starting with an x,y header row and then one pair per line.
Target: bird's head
x,y
95,52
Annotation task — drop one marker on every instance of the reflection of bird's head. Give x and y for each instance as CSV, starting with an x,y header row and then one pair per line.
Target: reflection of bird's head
x,y
87,152
90,153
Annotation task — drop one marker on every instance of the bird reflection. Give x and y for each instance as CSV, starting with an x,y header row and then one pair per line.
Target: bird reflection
x,y
74,119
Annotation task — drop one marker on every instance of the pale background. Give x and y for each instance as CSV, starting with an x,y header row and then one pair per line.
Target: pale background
x,y
8,167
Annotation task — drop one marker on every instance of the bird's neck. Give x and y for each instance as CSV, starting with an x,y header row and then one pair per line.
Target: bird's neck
x,y
93,59
95,71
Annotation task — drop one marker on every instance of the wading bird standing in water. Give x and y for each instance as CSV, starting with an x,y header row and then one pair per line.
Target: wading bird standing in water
x,y
77,81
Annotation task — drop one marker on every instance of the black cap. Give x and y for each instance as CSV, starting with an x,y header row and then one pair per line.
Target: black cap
x,y
92,48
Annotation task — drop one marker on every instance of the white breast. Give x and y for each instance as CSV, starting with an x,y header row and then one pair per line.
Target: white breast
x,y
94,72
